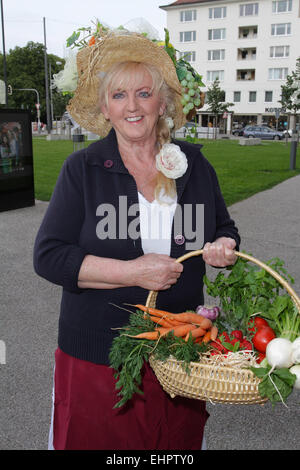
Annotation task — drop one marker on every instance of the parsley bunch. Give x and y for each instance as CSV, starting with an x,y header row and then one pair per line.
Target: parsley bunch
x,y
128,354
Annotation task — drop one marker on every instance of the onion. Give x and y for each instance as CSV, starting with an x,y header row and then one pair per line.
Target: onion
x,y
208,311
296,370
278,353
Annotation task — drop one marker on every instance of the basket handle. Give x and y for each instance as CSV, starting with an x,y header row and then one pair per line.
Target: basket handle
x,y
153,294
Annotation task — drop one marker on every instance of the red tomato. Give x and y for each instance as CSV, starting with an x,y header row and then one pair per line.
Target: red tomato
x,y
238,334
262,337
257,322
260,357
245,344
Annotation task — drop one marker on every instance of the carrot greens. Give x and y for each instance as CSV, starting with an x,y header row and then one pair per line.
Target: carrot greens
x,y
128,354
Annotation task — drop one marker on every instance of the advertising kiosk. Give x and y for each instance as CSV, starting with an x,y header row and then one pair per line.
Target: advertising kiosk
x,y
16,160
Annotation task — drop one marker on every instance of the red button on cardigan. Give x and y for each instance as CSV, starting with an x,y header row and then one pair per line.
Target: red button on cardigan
x,y
108,163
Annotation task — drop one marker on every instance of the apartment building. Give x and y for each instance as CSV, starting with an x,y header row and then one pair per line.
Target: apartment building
x,y
251,46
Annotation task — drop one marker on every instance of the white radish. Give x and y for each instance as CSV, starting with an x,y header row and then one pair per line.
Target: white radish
x,y
278,353
295,355
296,343
296,370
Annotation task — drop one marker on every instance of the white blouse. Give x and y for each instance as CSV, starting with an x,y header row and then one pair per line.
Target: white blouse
x,y
156,224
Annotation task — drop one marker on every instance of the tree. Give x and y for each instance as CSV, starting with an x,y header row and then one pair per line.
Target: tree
x,y
25,69
290,91
215,99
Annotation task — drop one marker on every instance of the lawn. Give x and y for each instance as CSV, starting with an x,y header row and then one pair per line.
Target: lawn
x,y
242,170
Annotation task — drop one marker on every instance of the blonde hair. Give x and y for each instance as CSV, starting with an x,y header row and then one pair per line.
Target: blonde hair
x,y
124,74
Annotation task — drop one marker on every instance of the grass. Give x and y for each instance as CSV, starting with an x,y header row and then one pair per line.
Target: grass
x,y
242,170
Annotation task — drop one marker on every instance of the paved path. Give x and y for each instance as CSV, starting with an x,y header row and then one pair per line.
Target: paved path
x,y
269,226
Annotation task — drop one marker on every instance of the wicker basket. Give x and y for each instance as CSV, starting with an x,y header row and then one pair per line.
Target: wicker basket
x,y
218,384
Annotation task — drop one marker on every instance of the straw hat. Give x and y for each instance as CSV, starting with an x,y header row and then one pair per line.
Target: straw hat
x,y
109,50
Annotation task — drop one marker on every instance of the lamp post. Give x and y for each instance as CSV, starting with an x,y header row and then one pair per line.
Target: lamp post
x,y
4,56
37,103
49,123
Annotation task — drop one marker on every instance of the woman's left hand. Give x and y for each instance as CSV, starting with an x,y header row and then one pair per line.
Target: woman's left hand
x,y
220,253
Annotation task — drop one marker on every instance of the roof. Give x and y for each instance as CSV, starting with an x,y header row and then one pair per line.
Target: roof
x,y
185,2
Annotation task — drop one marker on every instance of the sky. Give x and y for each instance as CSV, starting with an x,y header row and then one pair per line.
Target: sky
x,y
23,19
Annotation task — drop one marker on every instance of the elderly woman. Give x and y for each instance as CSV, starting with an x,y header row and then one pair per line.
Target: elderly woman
x,y
105,241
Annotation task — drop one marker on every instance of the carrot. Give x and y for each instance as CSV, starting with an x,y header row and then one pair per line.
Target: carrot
x,y
196,333
153,334
153,311
148,335
189,317
160,321
182,330
207,337
213,333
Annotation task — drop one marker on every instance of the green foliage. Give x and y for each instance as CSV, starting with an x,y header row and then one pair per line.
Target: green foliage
x,y
25,69
245,289
215,99
291,85
128,354
275,384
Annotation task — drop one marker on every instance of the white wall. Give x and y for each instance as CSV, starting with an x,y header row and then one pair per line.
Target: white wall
x,y
264,40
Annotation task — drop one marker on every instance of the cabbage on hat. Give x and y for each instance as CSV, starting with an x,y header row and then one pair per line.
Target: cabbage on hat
x,y
97,59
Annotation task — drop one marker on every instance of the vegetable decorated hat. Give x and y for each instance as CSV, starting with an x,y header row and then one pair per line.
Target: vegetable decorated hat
x,y
106,48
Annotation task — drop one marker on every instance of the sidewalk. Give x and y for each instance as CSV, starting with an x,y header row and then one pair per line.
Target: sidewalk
x,y
269,223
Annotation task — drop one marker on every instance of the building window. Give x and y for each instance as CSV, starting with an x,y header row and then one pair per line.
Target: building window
x,y
188,36
236,96
189,56
216,54
282,6
216,34
218,12
245,74
247,32
249,9
279,51
268,96
252,96
278,73
281,29
246,53
212,75
188,15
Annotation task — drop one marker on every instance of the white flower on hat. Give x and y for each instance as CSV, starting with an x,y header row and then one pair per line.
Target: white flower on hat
x,y
171,161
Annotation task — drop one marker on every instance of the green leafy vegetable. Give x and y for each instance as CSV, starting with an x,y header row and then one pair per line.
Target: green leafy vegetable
x,y
277,385
245,289
127,354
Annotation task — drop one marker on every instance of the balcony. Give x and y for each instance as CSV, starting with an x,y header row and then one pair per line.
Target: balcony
x,y
245,74
247,32
246,53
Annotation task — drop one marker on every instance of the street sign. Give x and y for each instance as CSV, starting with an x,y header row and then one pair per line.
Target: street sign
x,y
37,105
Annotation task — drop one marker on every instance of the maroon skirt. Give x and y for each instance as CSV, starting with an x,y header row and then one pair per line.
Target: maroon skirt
x,y
84,417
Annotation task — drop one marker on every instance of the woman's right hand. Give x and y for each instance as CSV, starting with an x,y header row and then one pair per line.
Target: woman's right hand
x,y
155,272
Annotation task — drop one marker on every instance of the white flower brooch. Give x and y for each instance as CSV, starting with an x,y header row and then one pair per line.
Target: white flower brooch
x,y
171,161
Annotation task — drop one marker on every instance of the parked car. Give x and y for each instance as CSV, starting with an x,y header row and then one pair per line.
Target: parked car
x,y
289,132
263,132
238,132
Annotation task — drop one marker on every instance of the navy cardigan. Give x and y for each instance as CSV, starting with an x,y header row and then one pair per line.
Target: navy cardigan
x,y
89,179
